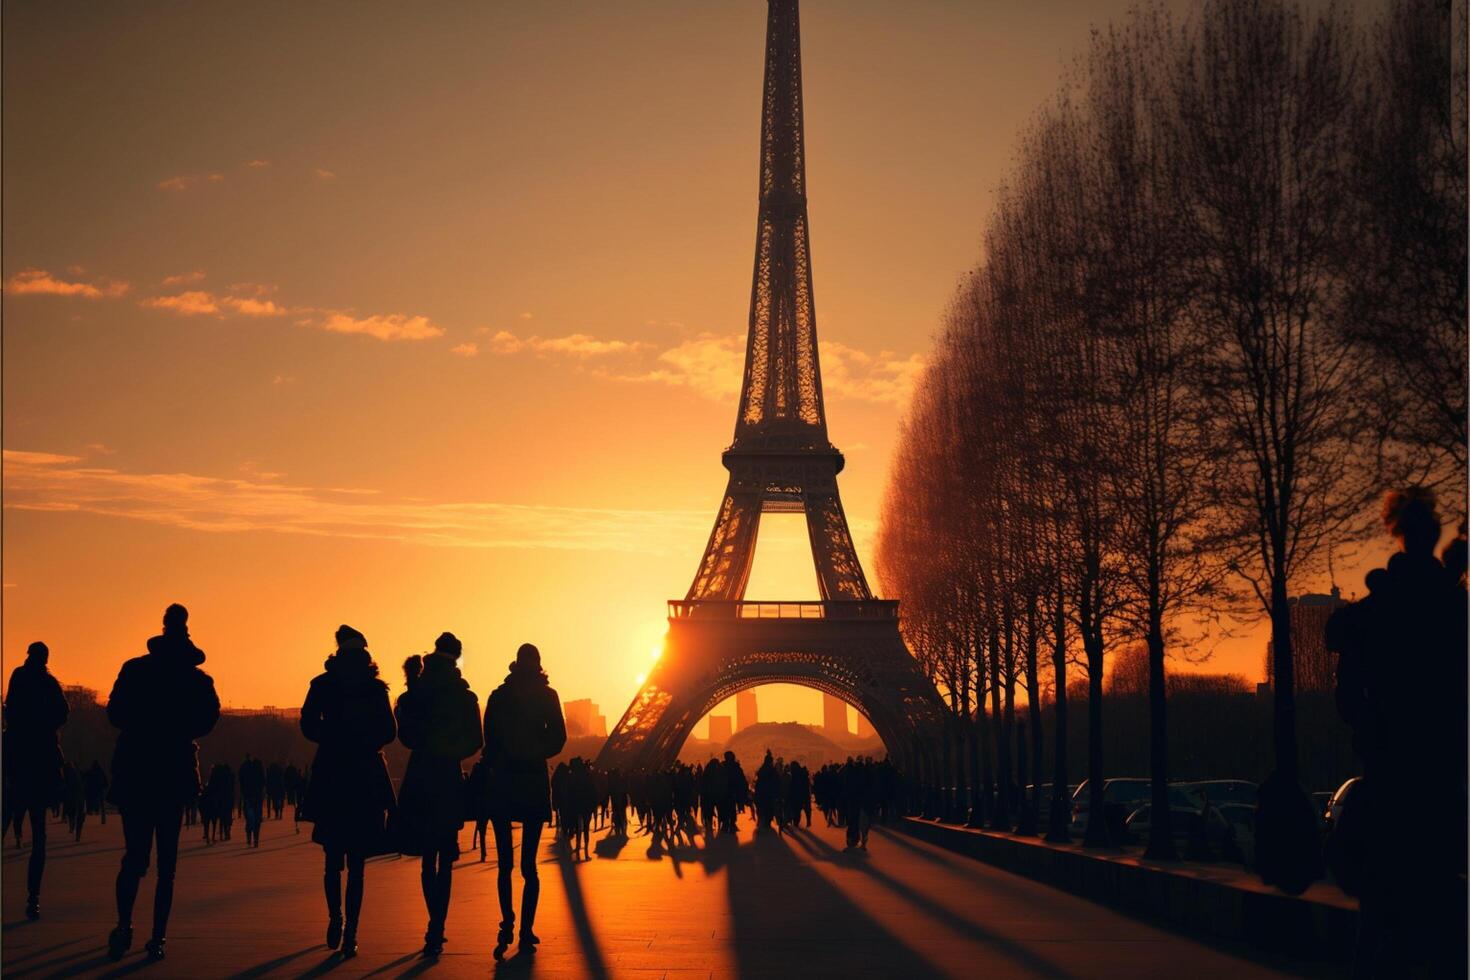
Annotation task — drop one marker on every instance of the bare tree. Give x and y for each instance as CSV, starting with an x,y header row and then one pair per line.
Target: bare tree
x,y
1407,288
1262,102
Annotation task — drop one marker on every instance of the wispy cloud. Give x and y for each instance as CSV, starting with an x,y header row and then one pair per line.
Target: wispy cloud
x,y
191,303
183,278
709,364
248,306
391,326
467,349
573,345
183,182
884,377
714,364
257,164
39,282
258,501
323,174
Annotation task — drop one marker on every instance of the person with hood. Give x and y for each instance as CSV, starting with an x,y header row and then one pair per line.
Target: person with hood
x,y
1401,680
439,721
524,727
96,789
35,710
161,703
347,715
252,797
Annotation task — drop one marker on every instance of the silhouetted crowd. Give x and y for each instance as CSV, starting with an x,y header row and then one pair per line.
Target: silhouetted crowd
x,y
163,702
674,804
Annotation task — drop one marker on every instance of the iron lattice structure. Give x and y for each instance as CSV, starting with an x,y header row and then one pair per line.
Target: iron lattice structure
x,y
781,460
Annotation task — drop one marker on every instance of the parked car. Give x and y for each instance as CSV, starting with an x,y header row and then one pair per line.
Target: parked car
x,y
1339,799
1320,800
1121,797
1220,791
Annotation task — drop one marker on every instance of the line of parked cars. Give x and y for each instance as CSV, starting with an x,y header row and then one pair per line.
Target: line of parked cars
x,y
1209,819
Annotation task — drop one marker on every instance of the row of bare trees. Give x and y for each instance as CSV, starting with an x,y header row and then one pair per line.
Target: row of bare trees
x,y
1222,304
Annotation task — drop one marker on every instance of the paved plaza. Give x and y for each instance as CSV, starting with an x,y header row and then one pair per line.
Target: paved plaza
x,y
749,906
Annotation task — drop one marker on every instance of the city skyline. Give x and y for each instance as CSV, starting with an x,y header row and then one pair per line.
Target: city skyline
x,y
413,372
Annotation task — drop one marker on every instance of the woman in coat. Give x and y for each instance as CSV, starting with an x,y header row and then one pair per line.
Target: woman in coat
x,y
523,728
347,715
160,703
439,720
35,710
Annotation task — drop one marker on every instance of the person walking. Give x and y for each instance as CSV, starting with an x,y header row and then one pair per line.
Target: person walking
x,y
161,703
35,710
439,721
252,798
524,727
347,715
1401,681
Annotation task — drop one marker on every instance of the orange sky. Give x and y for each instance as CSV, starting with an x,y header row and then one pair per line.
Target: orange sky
x,y
347,313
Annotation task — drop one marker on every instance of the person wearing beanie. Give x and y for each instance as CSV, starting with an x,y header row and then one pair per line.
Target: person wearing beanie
x,y
439,721
523,728
160,703
347,715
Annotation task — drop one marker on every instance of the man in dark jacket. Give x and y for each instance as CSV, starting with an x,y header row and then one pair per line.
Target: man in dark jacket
x,y
35,710
523,728
160,703
1401,688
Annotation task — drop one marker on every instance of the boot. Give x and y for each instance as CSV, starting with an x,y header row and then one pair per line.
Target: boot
x,y
118,942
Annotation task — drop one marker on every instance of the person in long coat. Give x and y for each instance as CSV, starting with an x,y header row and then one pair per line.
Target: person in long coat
x,y
35,710
161,703
347,715
439,720
524,727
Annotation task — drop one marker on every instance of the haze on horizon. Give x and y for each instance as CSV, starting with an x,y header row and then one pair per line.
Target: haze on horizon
x,y
337,313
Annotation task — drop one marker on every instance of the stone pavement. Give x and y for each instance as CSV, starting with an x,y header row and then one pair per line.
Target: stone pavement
x,y
748,906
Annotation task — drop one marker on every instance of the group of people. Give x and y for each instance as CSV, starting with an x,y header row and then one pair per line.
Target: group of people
x,y
163,702
81,793
254,792
673,803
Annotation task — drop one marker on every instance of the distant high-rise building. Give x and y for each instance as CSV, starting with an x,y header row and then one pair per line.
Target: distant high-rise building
x,y
579,714
864,727
720,729
599,724
1314,666
746,713
834,715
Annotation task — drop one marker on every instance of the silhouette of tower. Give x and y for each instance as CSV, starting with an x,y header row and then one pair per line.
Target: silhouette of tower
x,y
847,645
834,715
747,712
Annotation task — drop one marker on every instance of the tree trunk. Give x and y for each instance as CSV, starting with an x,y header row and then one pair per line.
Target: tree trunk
x,y
1030,815
1061,801
1283,694
1000,817
1097,823
1161,829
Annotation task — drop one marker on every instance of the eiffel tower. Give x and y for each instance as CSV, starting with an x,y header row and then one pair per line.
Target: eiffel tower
x,y
848,644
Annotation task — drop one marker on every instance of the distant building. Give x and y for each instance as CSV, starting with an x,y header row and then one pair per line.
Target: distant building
x,y
746,713
720,729
599,724
579,715
834,715
1314,667
864,726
